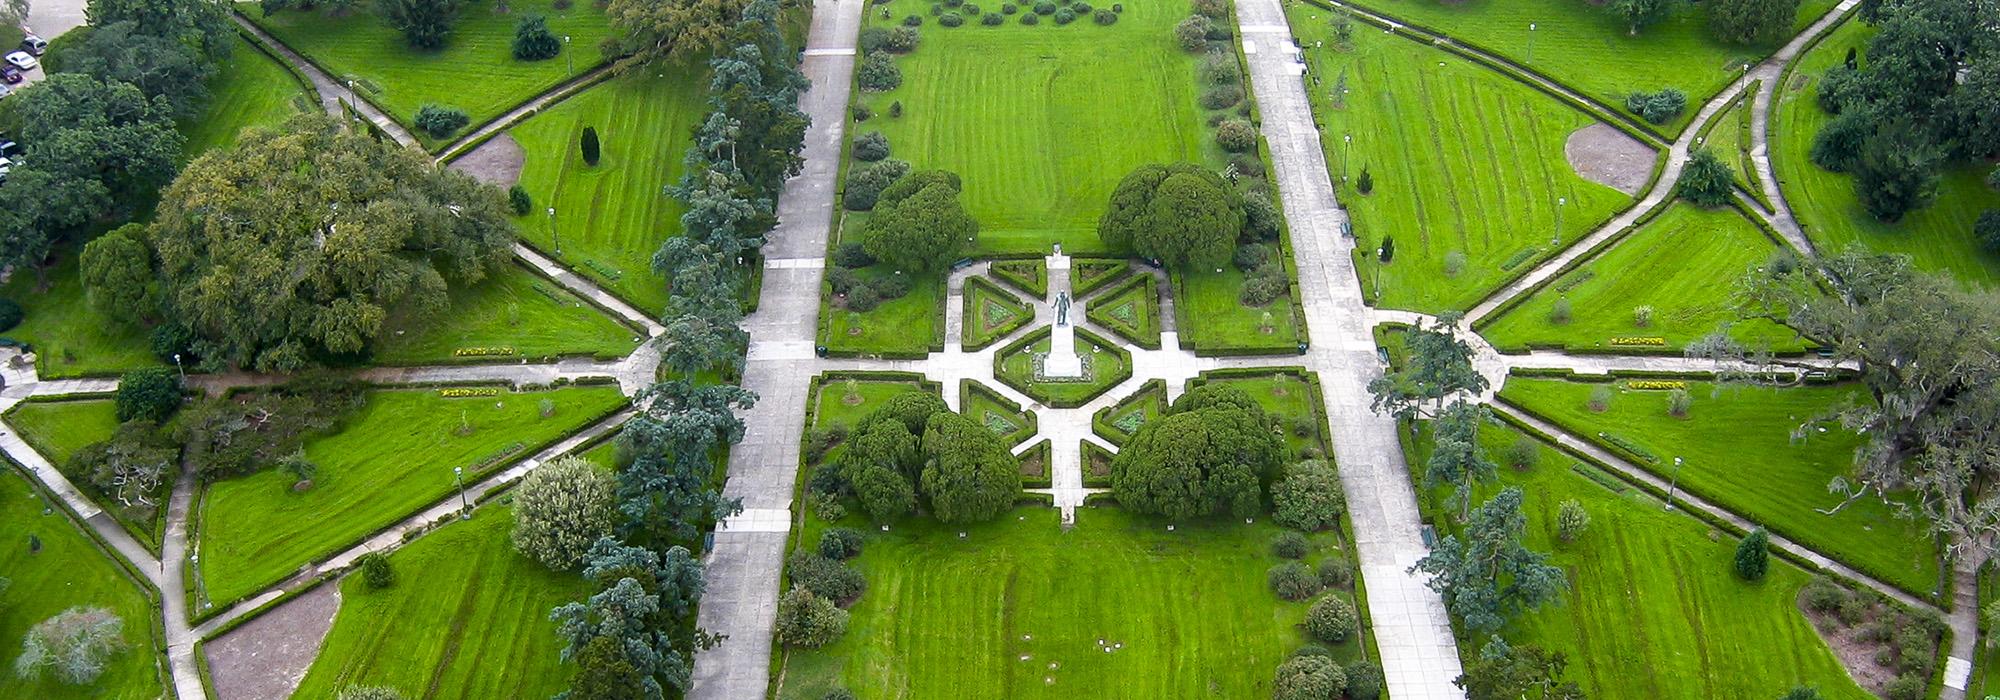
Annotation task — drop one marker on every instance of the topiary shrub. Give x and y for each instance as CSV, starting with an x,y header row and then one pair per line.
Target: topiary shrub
x,y
517,200
1218,97
914,21
825,577
953,3
1104,17
863,298
896,109
1753,555
1290,545
950,19
1191,33
532,39
862,113
871,147
591,149
1336,573
1309,678
375,571
904,39
840,543
1219,69
150,394
1364,681
1045,7
1064,16
1657,107
970,10
993,19
1331,620
440,121
878,72
1008,8
1235,136
1031,19
1293,581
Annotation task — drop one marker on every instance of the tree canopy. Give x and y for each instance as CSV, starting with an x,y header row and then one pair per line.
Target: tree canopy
x,y
1440,364
919,223
302,240
1750,21
160,66
1484,572
203,24
1208,456
968,473
94,148
648,30
1181,214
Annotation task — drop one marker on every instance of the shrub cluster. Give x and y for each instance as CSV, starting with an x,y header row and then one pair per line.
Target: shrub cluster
x,y
1657,107
866,182
827,578
440,121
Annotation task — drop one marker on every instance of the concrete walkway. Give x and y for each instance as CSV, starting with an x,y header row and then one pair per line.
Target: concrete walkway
x,y
744,566
332,90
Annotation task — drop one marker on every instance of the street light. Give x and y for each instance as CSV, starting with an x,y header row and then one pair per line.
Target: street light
x,y
179,368
553,232
567,56
1675,484
465,506
1346,150
1531,42
1555,238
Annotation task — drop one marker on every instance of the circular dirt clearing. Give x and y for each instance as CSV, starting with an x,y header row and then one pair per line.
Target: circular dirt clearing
x,y
496,162
1607,156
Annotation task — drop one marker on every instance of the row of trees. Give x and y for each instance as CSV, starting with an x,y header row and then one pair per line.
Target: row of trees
x,y
1738,21
635,637
1927,98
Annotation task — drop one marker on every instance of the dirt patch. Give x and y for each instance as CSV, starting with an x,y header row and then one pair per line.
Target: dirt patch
x,y
1873,640
265,658
1609,157
496,162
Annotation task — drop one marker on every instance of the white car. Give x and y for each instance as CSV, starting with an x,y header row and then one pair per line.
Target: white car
x,y
22,60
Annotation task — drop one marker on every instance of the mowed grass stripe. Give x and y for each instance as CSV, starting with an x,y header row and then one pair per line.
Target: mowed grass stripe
x,y
1041,122
1463,160
616,213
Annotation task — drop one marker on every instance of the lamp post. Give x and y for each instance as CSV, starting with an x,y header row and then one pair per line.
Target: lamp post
x,y
1555,238
1531,42
465,506
553,232
1346,150
180,369
567,57
1674,485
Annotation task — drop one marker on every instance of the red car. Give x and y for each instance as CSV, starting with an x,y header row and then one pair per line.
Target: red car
x,y
11,74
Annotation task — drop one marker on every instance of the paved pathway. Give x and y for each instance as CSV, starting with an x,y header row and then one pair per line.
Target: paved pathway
x,y
332,91
744,565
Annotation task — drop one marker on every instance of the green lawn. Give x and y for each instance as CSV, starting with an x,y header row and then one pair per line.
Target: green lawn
x,y
71,338
1730,139
393,457
58,429
989,313
906,326
249,89
1683,264
1025,116
69,571
1131,310
1739,455
1215,321
513,309
1464,161
844,401
1104,366
467,618
1654,608
613,216
951,617
1588,49
1938,237
475,71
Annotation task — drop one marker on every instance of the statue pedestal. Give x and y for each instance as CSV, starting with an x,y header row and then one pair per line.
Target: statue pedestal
x,y
1062,361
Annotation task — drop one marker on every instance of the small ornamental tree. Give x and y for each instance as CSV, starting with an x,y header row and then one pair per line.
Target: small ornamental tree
x,y
519,201
1706,180
561,509
75,644
1308,497
807,620
532,39
591,150
1571,520
1753,555
118,273
1192,33
148,394
1366,183
1309,678
376,572
1331,620
878,73
1182,214
440,121
871,146
424,23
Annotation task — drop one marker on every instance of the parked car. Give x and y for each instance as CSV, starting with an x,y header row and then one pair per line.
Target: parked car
x,y
10,74
34,45
10,149
21,60
6,166
5,91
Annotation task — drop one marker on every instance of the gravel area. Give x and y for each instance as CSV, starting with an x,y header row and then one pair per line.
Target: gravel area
x,y
496,162
265,658
1607,156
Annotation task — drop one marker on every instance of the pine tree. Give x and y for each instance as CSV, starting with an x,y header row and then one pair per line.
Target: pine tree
x,y
1753,555
590,150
